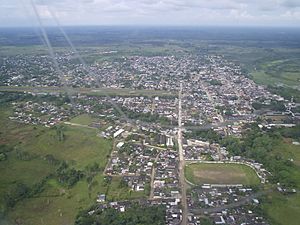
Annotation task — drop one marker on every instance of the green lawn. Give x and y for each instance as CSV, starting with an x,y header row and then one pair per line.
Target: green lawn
x,y
83,119
289,151
207,173
80,148
283,210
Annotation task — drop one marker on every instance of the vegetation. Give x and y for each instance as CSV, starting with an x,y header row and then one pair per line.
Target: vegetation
x,y
211,173
206,221
260,146
147,117
50,174
286,92
134,215
89,91
206,135
83,119
283,71
215,82
274,105
68,176
282,209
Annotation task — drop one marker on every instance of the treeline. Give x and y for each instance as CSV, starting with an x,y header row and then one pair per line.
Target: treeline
x,y
274,105
7,97
215,82
293,132
68,176
4,150
205,135
136,214
21,191
65,175
259,145
148,117
286,92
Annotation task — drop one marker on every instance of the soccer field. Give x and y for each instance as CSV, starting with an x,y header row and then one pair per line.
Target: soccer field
x,y
212,173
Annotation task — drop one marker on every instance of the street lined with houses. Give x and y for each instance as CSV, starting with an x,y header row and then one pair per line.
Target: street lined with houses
x,y
168,118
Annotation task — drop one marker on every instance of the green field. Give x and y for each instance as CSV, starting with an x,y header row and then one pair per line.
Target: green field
x,y
56,204
80,148
278,72
282,209
208,173
289,151
83,119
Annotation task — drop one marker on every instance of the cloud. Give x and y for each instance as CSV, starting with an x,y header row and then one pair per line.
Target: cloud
x,y
291,3
162,12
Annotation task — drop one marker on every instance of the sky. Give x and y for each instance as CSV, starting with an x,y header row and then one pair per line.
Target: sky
x,y
152,12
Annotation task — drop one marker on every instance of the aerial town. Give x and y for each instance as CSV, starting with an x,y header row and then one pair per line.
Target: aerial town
x,y
153,136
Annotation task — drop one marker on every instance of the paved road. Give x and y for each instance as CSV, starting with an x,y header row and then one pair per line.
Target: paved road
x,y
152,177
181,163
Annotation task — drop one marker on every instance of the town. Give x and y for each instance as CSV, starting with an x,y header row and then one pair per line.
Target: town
x,y
209,93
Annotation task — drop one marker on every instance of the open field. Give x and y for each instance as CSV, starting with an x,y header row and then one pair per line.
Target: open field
x,y
83,119
211,173
56,204
88,91
289,151
278,72
282,209
80,148
59,206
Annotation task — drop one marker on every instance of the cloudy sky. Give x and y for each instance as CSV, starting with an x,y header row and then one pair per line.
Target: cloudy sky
x,y
152,12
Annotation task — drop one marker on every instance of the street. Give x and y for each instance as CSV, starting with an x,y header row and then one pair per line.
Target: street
x,y
181,162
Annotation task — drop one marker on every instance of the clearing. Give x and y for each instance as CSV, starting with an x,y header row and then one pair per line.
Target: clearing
x,y
225,173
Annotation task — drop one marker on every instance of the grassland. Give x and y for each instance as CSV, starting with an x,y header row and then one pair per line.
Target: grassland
x,y
289,151
56,204
278,72
83,119
208,173
80,148
282,209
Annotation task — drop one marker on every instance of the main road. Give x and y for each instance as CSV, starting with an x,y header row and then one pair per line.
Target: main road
x,y
181,161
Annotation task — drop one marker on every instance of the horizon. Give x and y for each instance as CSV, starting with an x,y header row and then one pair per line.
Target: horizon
x,y
268,13
156,26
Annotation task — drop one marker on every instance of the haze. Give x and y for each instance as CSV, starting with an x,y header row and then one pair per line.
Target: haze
x,y
153,12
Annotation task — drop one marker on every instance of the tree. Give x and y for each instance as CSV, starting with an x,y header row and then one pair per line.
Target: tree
x,y
60,133
3,156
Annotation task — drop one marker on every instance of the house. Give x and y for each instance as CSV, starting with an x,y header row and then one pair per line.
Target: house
x,y
101,198
118,132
